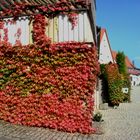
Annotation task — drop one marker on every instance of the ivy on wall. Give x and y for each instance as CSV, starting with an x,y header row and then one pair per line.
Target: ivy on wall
x,y
45,84
48,88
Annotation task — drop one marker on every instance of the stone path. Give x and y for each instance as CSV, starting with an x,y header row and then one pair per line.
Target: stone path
x,y
15,132
121,124
124,123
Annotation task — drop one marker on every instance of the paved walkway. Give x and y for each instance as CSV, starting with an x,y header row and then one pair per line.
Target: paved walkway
x,y
124,123
121,124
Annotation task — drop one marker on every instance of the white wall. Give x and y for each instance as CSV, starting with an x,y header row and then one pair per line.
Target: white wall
x,y
105,55
135,80
60,29
13,27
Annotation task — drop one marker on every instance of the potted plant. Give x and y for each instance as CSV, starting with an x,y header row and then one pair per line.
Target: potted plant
x,y
98,123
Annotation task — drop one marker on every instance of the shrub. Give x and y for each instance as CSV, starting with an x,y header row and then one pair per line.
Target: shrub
x,y
127,83
115,84
120,58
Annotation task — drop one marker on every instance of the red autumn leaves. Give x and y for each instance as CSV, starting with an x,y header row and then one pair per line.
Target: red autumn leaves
x,y
43,93
48,85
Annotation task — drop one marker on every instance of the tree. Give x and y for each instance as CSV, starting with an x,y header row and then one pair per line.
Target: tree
x,y
120,59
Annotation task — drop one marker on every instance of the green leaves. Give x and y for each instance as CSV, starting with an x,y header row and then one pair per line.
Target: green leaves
x,y
120,58
115,84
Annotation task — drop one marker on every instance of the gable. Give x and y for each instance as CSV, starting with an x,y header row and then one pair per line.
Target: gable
x,y
105,54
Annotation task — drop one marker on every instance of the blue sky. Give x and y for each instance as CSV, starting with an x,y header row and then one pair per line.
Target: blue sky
x,y
121,18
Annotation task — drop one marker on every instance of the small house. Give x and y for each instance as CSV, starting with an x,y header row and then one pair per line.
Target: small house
x,y
51,46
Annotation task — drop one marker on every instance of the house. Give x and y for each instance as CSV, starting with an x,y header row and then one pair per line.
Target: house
x,y
135,76
70,27
60,29
105,52
72,21
132,70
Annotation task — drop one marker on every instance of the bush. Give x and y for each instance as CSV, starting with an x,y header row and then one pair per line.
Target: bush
x,y
115,84
120,58
127,83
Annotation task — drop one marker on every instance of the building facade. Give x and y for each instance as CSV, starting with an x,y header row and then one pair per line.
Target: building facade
x,y
59,27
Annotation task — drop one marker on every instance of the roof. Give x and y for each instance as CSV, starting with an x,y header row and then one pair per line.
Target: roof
x,y
102,33
10,8
129,63
127,60
134,71
8,4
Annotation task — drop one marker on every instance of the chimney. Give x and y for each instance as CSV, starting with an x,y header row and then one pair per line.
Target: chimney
x,y
133,62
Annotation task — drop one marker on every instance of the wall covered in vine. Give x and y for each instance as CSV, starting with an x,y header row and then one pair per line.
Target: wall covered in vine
x,y
48,85
48,88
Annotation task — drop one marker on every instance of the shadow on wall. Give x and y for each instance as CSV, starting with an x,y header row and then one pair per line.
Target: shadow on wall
x,y
104,90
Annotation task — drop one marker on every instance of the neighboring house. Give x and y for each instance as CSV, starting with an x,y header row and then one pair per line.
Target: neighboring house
x,y
132,70
135,76
105,53
59,28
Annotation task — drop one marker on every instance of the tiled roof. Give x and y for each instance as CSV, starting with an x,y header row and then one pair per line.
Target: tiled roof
x,y
102,33
134,71
7,4
129,63
10,8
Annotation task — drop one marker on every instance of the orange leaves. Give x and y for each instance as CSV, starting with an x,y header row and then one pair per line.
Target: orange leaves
x,y
45,93
49,85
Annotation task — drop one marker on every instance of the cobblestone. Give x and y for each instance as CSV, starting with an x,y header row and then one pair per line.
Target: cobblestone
x,y
122,123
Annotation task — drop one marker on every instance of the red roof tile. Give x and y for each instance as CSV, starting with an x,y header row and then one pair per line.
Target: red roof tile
x,y
134,71
129,63
102,33
114,54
